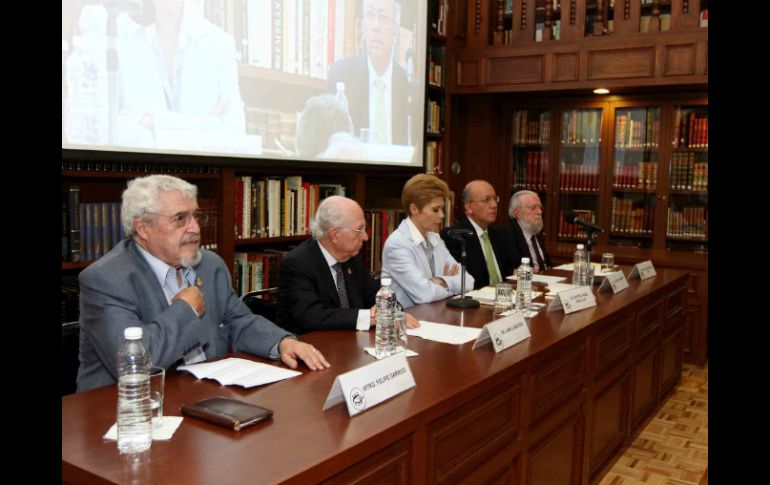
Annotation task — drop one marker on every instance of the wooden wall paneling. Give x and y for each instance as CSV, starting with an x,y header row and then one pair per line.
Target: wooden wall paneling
x,y
391,465
645,378
649,318
469,72
608,422
556,380
523,29
626,16
679,59
556,459
564,66
572,20
466,438
478,23
515,69
671,363
611,345
621,62
682,17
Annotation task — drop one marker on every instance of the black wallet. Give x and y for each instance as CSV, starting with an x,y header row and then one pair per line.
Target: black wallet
x,y
227,412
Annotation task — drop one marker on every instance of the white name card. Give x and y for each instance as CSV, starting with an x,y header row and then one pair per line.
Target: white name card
x,y
371,384
616,281
642,270
573,300
504,332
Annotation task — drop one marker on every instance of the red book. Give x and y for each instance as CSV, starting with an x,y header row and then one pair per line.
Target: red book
x,y
691,132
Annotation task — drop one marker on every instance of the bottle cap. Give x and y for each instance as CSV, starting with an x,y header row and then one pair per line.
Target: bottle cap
x,y
133,333
525,260
385,281
340,86
580,246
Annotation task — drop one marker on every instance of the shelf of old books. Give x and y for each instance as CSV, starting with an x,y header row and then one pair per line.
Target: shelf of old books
x,y
635,148
687,214
531,142
579,168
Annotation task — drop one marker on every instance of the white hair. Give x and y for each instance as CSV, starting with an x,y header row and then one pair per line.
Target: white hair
x,y
331,212
142,197
516,201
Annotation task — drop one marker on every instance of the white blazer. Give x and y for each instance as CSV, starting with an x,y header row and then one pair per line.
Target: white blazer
x,y
405,262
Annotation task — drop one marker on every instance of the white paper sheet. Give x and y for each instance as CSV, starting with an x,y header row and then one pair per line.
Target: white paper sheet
x,y
596,266
409,353
444,333
554,288
239,372
486,295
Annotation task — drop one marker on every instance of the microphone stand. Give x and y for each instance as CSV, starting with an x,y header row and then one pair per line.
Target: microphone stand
x,y
592,235
463,301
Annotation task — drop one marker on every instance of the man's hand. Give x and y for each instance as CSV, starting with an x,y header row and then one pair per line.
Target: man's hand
x,y
411,321
291,349
193,296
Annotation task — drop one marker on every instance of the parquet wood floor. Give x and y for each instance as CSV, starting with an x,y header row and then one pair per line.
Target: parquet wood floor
x,y
672,449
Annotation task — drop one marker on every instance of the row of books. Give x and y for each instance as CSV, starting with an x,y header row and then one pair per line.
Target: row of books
x,y
579,177
433,122
531,128
437,15
637,133
642,175
277,128
380,223
436,63
687,174
277,206
531,173
540,30
688,222
139,167
296,36
630,220
646,20
581,127
433,153
574,230
254,271
691,129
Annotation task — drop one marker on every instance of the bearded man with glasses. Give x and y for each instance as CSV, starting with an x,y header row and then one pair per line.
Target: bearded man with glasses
x,y
182,296
524,233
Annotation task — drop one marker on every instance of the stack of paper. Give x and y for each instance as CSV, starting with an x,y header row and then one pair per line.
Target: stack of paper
x,y
239,372
445,333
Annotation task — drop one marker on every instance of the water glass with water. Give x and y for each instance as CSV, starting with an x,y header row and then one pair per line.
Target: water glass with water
x,y
399,320
503,298
608,262
157,384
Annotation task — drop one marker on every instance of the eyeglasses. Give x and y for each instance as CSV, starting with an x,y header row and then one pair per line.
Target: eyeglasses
x,y
488,199
534,207
182,219
359,230
372,17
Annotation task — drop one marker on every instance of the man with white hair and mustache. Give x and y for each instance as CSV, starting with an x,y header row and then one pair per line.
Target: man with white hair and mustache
x,y
526,214
159,279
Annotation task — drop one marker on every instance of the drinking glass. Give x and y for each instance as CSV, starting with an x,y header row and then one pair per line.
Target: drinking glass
x,y
608,262
157,383
503,298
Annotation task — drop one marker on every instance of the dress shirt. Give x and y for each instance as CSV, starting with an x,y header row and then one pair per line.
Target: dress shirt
x,y
364,316
387,79
479,232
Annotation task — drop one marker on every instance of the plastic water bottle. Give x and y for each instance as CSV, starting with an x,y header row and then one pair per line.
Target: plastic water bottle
x,y
524,285
580,266
134,412
341,97
385,336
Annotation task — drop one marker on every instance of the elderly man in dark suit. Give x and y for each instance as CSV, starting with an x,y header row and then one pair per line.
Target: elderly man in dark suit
x,y
524,231
377,88
488,259
323,284
182,296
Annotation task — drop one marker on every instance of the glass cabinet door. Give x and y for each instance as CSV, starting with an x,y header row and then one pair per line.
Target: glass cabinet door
x,y
687,224
531,139
579,153
634,175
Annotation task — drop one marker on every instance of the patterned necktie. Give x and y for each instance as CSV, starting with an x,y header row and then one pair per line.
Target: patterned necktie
x,y
540,262
429,255
489,256
381,133
342,291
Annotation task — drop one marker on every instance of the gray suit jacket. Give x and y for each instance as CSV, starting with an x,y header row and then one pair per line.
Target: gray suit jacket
x,y
120,290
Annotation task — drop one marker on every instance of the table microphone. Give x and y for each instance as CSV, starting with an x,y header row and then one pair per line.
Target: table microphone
x,y
573,218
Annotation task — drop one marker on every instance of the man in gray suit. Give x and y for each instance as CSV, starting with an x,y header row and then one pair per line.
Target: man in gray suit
x,y
182,296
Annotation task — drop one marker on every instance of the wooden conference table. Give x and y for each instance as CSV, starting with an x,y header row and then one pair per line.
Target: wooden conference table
x,y
555,408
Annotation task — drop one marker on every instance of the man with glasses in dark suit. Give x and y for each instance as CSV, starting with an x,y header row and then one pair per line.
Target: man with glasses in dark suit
x,y
323,284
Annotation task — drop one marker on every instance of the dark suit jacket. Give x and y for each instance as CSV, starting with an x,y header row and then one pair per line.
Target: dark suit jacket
x,y
514,237
307,295
354,72
120,290
474,255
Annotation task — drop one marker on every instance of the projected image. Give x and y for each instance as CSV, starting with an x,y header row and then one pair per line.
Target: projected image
x,y
326,80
